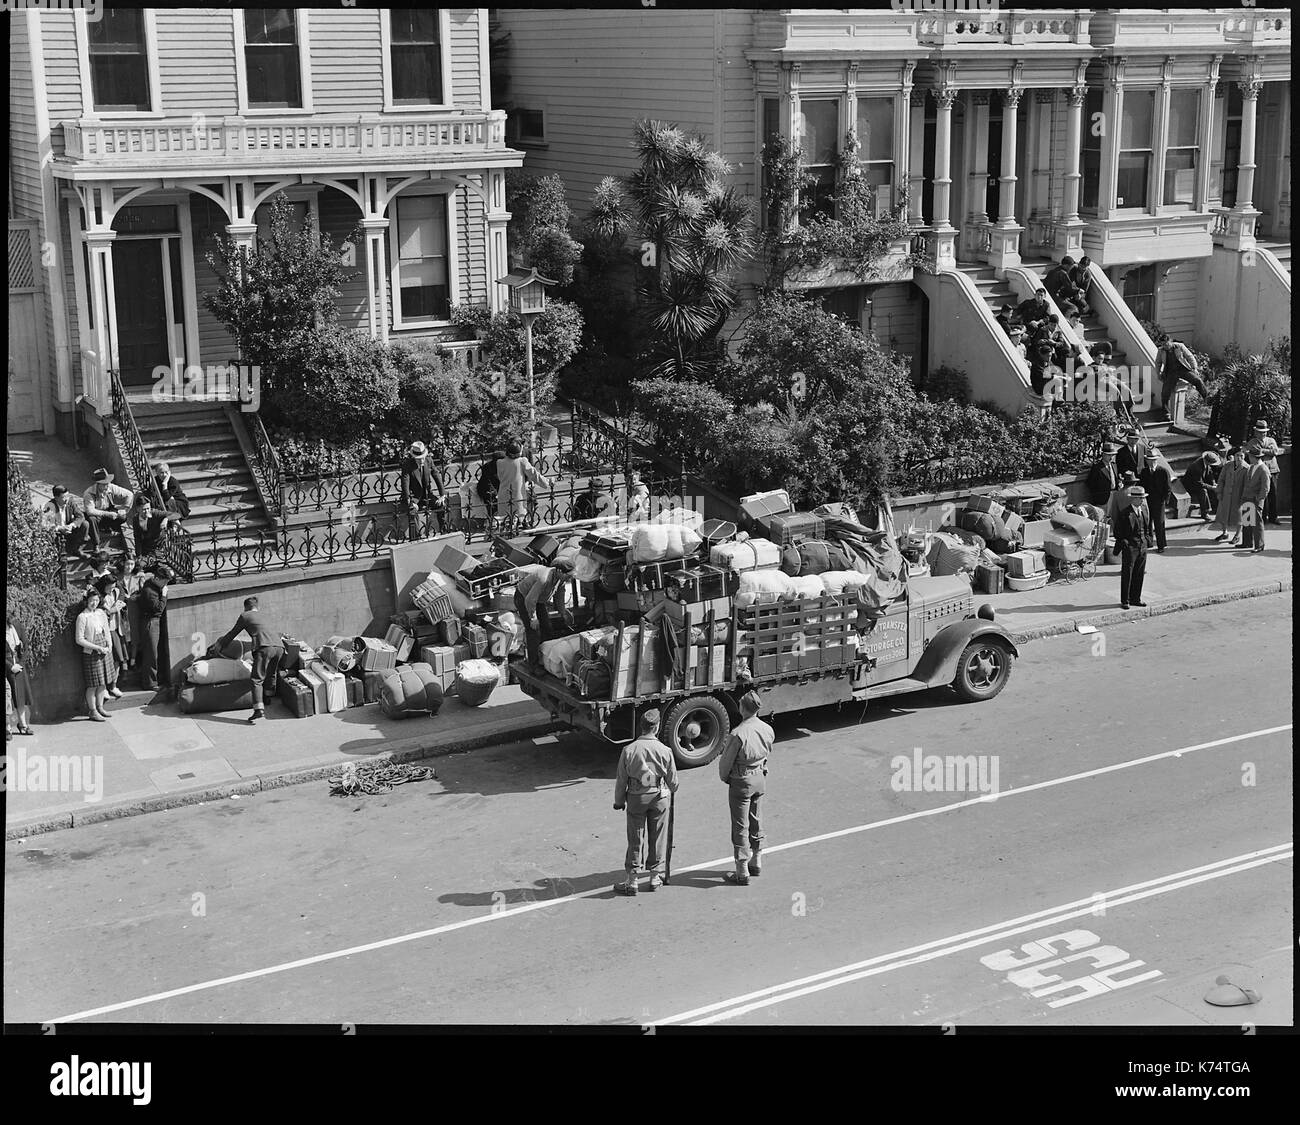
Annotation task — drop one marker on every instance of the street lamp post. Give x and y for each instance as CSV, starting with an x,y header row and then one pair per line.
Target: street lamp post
x,y
528,301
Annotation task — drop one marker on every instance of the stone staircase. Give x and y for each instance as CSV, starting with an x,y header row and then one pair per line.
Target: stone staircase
x,y
1280,250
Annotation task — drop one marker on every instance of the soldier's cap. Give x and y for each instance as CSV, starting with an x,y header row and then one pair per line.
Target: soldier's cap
x,y
650,719
750,704
1137,492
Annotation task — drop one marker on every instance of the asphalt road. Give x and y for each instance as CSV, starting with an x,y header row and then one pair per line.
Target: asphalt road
x,y
1108,883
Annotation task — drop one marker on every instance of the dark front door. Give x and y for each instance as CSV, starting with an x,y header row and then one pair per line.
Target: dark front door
x,y
141,309
927,169
994,188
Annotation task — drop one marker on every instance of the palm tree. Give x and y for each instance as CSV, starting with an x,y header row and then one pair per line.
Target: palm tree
x,y
693,231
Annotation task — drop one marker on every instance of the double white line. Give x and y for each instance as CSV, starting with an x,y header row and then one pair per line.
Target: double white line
x,y
956,943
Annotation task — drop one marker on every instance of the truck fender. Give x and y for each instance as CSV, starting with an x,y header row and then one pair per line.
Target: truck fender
x,y
938,664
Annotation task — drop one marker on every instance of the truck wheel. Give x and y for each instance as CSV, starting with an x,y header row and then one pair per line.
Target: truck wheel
x,y
983,670
696,730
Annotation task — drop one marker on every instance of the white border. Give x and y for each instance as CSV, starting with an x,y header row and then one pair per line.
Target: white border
x,y
303,30
444,41
88,110
451,193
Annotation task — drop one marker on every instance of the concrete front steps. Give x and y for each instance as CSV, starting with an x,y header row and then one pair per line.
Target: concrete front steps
x,y
1280,250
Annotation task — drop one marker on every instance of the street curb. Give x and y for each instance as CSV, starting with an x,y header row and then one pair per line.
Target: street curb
x,y
410,750
413,751
1119,616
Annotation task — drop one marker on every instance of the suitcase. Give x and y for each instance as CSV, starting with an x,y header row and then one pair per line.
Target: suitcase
x,y
477,639
319,691
336,693
755,508
374,655
785,527
356,690
508,551
701,583
233,695
372,683
989,579
296,695
543,548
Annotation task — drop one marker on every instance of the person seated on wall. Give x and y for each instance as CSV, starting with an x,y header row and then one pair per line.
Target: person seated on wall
x,y
1035,309
1061,285
148,526
1007,319
173,496
1081,276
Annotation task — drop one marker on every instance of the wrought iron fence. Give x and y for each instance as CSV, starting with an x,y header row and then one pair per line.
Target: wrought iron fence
x,y
266,464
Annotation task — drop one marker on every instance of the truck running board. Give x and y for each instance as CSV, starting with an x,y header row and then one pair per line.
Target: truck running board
x,y
893,687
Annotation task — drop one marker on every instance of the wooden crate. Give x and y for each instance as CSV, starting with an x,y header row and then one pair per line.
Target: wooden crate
x,y
810,634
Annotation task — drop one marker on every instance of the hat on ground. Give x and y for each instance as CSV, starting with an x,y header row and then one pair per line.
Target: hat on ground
x,y
103,476
417,449
59,490
1137,492
1261,427
1109,450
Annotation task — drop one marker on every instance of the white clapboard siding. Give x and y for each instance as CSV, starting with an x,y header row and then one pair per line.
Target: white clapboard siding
x,y
24,164
466,93
196,61
895,315
69,284
62,78
347,60
1176,298
216,345
339,217
739,139
471,247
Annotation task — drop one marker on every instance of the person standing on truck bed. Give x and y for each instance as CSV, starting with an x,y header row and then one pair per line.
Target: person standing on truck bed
x,y
535,589
645,777
743,769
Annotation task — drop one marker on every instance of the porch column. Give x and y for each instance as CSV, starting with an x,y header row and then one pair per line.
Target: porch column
x,y
1068,237
376,231
103,308
1250,91
943,158
916,158
1007,181
244,235
1112,107
979,164
496,217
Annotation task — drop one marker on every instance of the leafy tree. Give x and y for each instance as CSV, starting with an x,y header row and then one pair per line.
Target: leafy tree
x,y
539,229
34,594
686,419
690,234
1254,387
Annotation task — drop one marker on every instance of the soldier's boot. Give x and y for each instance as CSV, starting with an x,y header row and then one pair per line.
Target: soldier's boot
x,y
739,877
756,861
656,881
627,888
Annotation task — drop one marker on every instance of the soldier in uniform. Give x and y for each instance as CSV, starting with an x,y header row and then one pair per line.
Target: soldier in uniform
x,y
645,777
1133,536
743,769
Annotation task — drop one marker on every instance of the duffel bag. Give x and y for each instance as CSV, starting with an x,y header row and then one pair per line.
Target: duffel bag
x,y
233,695
593,676
412,689
219,670
984,524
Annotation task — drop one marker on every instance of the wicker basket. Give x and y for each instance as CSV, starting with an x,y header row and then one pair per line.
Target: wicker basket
x,y
1033,582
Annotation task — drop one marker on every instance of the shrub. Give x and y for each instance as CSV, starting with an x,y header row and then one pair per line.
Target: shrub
x,y
687,418
314,456
34,592
44,611
1254,387
947,384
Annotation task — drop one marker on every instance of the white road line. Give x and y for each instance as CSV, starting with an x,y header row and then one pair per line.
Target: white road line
x,y
943,947
515,911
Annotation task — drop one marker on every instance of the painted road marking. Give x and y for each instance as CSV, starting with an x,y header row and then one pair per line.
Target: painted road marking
x,y
727,861
956,943
1026,972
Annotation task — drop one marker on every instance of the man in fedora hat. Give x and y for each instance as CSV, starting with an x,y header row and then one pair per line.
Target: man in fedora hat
x,y
107,507
1103,478
1255,483
1158,483
422,489
1132,455
743,769
643,782
1268,449
1133,536
65,515
1201,476
1175,364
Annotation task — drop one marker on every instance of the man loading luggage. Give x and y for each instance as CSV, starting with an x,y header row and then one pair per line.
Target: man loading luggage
x,y
536,589
268,651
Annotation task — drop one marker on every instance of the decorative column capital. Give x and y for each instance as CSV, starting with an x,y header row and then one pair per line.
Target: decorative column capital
x,y
1250,88
1011,97
851,76
946,97
1078,94
1117,67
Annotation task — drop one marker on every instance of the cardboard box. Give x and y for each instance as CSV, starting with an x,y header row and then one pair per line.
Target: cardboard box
x,y
439,657
1025,564
319,691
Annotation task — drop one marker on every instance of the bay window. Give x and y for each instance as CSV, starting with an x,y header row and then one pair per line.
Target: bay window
x,y
875,128
1136,123
1182,149
819,135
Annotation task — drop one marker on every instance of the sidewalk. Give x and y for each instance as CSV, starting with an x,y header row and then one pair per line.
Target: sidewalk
x,y
155,758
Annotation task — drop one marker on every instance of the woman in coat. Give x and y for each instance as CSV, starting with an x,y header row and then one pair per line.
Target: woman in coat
x,y
1231,481
17,677
96,655
515,473
113,605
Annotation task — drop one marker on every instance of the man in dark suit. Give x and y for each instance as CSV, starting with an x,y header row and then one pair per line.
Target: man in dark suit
x,y
65,515
1132,456
1158,483
1034,309
1103,478
422,489
1133,537
173,496
153,606
268,651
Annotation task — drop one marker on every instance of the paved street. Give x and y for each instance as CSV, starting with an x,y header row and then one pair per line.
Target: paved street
x,y
484,897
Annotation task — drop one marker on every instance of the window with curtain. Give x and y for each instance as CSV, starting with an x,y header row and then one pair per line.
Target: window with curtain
x,y
1090,153
1182,148
819,133
416,56
424,288
271,61
875,127
1136,122
119,61
771,130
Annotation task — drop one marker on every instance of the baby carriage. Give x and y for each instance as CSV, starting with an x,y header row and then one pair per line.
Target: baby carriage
x,y
1081,563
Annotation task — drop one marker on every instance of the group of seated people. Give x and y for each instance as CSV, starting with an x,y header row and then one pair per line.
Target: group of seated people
x,y
1035,332
87,524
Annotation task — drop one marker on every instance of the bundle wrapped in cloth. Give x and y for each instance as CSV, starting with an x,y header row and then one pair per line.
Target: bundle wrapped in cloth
x,y
683,517
476,680
806,586
560,655
746,554
219,670
763,587
874,555
654,542
949,555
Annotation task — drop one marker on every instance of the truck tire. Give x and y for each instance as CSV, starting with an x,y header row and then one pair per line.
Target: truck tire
x,y
983,670
696,729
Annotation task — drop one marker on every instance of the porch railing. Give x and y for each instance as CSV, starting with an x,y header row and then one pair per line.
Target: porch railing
x,y
1219,224
266,464
176,549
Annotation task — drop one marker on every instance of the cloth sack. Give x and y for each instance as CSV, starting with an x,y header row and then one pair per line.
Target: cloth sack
x,y
685,517
558,656
806,586
219,670
952,556
762,587
838,581
654,542
586,568
411,689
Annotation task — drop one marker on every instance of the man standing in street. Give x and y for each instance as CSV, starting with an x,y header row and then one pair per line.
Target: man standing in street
x,y
1174,364
535,590
268,651
1255,484
1268,449
1103,478
422,489
743,769
1131,457
1133,537
645,778
107,507
1159,484
152,603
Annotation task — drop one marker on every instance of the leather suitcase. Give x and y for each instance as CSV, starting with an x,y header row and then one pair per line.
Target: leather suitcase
x,y
477,639
783,528
296,696
372,684
356,690
448,632
319,691
233,695
336,693
543,548
989,579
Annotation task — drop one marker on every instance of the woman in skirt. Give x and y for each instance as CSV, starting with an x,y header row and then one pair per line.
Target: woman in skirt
x,y
96,655
113,606
18,681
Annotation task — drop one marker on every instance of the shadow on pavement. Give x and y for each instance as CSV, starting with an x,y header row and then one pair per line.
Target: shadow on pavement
x,y
551,888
